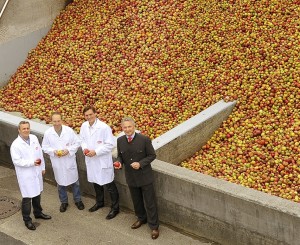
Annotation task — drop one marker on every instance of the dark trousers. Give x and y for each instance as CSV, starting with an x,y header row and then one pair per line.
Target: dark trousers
x,y
26,207
144,202
113,192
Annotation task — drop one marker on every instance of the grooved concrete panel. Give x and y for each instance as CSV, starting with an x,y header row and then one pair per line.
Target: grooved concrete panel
x,y
14,53
21,17
22,26
2,2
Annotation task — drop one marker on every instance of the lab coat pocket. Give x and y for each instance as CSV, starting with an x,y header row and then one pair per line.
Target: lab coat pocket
x,y
106,162
71,166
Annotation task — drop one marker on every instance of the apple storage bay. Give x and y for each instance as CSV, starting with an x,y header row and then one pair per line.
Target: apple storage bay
x,y
214,84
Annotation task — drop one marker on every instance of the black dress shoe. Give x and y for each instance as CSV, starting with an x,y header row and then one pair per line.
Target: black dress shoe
x,y
42,216
95,207
79,205
138,224
112,214
30,226
63,207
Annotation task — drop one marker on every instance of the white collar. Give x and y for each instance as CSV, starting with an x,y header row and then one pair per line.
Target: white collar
x,y
132,136
91,126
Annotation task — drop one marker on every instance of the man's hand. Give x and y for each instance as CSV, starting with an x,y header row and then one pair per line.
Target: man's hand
x,y
135,165
37,162
43,172
61,153
91,153
65,152
117,165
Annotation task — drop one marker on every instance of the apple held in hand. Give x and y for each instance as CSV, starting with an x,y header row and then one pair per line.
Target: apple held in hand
x,y
38,161
86,151
59,153
117,164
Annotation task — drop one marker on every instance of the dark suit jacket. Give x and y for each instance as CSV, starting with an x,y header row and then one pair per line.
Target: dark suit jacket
x,y
140,150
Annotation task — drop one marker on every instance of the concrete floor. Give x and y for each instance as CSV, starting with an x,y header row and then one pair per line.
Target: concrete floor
x,y
78,227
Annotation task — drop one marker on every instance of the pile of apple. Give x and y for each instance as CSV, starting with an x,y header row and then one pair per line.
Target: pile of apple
x,y
162,62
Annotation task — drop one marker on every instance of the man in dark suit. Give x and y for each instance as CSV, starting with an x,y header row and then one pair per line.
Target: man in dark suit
x,y
135,152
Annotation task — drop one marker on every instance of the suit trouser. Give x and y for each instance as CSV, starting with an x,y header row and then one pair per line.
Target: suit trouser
x,y
113,192
144,202
26,207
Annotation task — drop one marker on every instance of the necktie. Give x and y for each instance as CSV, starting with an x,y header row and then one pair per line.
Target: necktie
x,y
129,139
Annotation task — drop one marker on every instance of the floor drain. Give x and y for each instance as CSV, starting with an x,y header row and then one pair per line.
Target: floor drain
x,y
8,206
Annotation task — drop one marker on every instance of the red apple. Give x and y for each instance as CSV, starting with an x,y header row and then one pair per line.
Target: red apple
x,y
86,151
38,161
117,164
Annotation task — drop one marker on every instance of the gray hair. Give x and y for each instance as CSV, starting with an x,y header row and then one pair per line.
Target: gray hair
x,y
128,119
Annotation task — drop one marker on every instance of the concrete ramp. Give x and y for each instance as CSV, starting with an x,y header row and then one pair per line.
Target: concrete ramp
x,y
23,24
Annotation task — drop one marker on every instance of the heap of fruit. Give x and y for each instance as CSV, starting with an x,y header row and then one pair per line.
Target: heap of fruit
x,y
163,62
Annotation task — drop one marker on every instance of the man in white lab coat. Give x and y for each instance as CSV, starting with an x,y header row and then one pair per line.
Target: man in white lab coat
x,y
27,157
97,142
61,143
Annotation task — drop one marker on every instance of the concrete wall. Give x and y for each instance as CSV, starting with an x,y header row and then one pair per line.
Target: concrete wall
x,y
14,52
184,140
22,26
199,204
223,211
22,17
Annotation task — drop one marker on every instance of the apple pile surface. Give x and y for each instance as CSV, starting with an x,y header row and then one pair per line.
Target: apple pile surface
x,y
162,62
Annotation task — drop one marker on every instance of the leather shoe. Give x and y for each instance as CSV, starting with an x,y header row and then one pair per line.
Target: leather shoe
x,y
43,216
138,224
63,207
112,214
79,205
154,234
95,207
30,226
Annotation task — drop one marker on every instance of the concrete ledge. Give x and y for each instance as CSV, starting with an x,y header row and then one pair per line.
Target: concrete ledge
x,y
218,210
184,140
222,211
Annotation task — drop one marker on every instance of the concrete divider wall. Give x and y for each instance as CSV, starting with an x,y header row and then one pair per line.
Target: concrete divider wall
x,y
183,141
196,203
223,211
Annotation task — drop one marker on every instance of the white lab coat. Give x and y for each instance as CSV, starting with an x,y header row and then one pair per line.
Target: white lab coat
x,y
100,167
65,167
23,156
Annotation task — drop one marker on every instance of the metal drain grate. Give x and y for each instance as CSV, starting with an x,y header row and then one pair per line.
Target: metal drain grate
x,y
8,206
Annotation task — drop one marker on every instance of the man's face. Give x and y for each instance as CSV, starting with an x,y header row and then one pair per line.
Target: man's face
x,y
128,128
24,131
90,116
56,121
